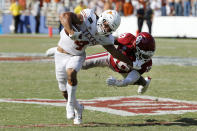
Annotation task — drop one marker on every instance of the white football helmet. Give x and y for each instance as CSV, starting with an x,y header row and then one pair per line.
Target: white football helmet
x,y
113,20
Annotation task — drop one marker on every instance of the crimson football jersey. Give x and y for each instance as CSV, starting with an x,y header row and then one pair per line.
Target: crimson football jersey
x,y
127,48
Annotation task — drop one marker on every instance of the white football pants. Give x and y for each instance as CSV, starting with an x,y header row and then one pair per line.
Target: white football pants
x,y
62,63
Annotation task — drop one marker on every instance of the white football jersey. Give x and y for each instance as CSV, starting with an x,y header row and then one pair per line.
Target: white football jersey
x,y
88,27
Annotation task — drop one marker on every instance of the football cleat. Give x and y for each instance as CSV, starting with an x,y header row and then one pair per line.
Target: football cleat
x,y
78,115
70,114
142,89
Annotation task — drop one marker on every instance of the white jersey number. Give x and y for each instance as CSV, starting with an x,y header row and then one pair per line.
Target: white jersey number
x,y
122,35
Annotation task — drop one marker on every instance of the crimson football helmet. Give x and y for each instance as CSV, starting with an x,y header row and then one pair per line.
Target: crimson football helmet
x,y
145,46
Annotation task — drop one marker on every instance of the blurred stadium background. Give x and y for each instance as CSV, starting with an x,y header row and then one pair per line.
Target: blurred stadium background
x,y
169,18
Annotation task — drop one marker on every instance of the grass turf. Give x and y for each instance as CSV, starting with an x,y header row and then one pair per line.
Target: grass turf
x,y
37,80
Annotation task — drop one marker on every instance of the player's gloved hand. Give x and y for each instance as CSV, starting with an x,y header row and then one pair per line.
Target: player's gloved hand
x,y
137,64
76,35
111,81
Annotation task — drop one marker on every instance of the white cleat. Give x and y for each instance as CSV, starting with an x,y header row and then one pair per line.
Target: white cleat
x,y
70,114
142,89
78,115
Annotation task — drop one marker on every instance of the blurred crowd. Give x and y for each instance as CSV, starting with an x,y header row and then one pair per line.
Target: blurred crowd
x,y
123,7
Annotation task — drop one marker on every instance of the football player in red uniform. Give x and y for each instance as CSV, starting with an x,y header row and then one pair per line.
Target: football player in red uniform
x,y
138,49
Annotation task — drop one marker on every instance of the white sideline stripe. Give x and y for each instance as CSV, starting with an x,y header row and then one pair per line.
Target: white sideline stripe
x,y
110,98
111,111
107,110
165,107
167,112
157,60
114,111
140,96
164,99
142,104
39,103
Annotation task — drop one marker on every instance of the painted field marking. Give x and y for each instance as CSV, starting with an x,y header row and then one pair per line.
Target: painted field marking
x,y
41,57
123,105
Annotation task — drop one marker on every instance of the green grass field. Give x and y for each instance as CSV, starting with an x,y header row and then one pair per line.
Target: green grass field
x,y
37,80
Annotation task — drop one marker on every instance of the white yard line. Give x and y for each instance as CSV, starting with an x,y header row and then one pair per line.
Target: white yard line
x,y
157,60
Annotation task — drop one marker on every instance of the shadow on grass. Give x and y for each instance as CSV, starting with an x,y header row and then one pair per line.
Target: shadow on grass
x,y
149,122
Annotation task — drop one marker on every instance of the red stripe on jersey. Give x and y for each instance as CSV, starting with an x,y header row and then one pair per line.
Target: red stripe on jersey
x,y
97,55
114,65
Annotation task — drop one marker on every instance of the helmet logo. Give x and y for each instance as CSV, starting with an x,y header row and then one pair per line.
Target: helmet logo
x,y
113,20
110,12
138,40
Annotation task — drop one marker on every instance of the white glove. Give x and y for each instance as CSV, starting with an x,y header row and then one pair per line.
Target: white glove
x,y
76,35
111,81
123,66
137,64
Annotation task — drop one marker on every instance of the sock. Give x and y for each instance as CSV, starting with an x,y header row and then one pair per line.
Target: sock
x,y
71,94
77,105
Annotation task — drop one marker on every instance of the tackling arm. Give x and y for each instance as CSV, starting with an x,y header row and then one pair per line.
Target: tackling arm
x,y
131,79
118,55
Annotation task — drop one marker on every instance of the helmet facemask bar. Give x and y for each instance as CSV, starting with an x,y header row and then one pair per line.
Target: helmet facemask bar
x,y
102,29
143,55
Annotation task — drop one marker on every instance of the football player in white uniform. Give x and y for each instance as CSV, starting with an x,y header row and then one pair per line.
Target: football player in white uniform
x,y
82,30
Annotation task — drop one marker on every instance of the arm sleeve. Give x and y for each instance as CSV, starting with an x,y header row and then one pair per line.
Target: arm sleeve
x,y
131,78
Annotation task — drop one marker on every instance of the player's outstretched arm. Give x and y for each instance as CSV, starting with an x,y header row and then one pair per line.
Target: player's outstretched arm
x,y
118,55
68,20
131,79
